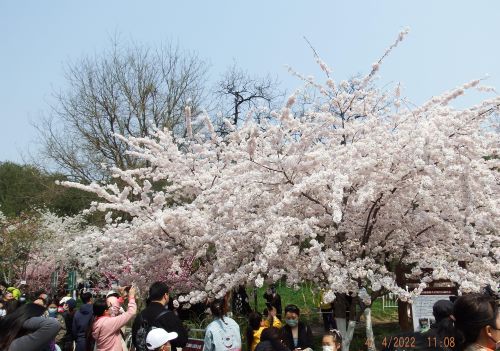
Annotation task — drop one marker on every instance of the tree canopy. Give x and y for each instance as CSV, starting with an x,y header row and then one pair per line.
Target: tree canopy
x,y
24,188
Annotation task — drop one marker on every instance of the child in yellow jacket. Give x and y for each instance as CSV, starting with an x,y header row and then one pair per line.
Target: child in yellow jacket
x,y
256,324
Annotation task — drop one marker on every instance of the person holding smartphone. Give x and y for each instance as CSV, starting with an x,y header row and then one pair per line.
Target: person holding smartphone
x,y
106,329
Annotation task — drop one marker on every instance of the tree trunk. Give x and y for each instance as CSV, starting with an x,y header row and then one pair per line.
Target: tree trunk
x,y
370,339
349,335
405,323
353,318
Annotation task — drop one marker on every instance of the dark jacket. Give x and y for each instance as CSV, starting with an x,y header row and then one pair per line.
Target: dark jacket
x,y
341,305
81,322
42,331
266,345
305,336
168,321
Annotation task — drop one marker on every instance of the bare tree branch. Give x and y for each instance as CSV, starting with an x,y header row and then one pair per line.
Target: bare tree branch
x,y
127,91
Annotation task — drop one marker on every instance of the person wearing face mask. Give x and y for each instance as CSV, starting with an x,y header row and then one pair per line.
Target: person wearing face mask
x,y
332,340
52,312
296,334
477,320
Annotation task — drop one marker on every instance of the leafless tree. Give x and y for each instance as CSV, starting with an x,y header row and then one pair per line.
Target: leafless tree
x,y
126,91
239,93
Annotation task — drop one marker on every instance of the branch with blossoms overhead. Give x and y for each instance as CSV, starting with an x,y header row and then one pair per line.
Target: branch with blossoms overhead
x,y
340,195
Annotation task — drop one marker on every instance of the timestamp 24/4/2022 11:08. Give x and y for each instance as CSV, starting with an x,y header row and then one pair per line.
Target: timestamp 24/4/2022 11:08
x,y
410,342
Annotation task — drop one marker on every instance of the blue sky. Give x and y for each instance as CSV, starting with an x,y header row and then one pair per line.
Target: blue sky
x,y
450,42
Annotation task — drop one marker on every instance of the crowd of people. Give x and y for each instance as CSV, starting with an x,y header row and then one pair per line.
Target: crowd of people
x,y
471,323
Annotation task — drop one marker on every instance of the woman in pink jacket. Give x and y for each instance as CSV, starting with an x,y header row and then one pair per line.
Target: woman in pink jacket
x,y
106,329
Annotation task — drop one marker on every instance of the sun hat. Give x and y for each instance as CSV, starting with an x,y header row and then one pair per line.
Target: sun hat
x,y
158,337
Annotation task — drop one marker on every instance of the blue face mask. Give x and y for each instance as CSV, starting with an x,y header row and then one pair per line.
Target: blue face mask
x,y
291,322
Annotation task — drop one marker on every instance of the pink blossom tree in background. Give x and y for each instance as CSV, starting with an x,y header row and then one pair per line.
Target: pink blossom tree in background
x,y
342,195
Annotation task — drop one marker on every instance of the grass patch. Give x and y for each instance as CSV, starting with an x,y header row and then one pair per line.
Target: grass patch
x,y
308,303
385,321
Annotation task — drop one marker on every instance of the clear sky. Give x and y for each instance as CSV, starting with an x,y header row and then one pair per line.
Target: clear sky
x,y
450,42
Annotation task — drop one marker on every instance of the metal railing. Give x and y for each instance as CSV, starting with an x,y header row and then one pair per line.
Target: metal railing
x,y
389,301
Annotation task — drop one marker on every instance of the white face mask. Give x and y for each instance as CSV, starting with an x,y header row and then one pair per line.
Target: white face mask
x,y
327,348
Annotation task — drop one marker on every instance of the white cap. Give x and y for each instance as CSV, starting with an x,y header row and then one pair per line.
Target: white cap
x,y
112,293
64,300
158,337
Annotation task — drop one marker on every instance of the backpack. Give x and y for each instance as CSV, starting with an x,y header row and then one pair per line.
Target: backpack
x,y
144,328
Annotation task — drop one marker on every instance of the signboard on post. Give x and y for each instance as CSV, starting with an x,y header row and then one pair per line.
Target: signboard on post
x,y
193,345
54,280
72,280
421,309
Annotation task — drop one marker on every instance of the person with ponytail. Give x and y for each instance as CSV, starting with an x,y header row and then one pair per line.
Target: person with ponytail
x,y
223,333
477,320
26,329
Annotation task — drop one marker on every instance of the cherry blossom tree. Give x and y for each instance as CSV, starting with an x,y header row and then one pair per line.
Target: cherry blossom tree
x,y
342,195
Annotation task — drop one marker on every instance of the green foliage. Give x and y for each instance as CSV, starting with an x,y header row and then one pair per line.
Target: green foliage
x,y
24,188
19,188
304,297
